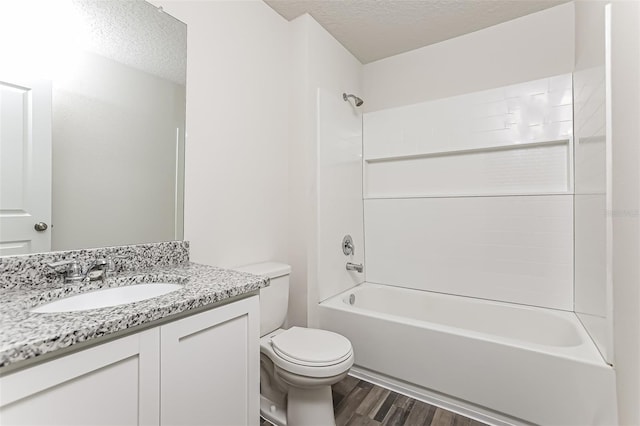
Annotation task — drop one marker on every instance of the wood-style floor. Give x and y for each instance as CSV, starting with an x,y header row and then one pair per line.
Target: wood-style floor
x,y
360,403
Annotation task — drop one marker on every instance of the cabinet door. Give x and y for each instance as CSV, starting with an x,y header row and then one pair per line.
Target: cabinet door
x,y
210,367
115,383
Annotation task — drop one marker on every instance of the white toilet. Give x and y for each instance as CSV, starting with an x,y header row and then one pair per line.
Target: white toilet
x,y
298,365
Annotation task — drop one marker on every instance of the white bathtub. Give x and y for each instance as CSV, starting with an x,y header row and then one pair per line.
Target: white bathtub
x,y
533,364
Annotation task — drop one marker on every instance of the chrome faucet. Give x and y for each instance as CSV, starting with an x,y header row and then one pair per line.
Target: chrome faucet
x,y
101,265
73,272
355,267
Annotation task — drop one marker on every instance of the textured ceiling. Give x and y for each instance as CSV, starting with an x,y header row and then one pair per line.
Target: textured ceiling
x,y
136,34
376,29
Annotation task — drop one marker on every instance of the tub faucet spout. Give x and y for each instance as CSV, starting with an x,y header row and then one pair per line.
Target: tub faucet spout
x,y
355,267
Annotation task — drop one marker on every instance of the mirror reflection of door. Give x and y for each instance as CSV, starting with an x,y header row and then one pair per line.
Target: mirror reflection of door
x,y
25,166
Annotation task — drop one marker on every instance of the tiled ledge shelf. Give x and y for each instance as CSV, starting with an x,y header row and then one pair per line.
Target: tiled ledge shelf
x,y
522,145
469,195
526,168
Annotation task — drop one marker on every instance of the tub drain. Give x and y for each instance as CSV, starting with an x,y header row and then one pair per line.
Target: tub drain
x,y
352,299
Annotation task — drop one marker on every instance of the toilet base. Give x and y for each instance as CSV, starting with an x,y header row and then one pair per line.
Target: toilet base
x,y
272,413
312,406
304,407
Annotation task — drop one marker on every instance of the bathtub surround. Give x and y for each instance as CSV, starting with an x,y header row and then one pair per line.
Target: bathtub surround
x,y
607,223
593,186
516,249
472,195
339,177
625,105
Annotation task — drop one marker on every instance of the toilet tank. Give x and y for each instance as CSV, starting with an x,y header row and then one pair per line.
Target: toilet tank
x,y
274,300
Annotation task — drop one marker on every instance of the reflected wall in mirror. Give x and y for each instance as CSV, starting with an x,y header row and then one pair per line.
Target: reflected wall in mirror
x,y
92,118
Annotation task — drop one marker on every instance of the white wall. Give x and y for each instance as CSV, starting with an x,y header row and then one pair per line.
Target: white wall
x,y
252,81
319,62
625,97
527,48
238,82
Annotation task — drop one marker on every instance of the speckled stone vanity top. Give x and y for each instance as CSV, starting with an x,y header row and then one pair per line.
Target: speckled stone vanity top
x,y
25,335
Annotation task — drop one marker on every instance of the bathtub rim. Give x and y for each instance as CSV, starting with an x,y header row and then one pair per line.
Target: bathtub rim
x,y
586,352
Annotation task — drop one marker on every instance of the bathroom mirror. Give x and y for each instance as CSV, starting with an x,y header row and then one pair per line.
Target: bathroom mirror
x,y
92,119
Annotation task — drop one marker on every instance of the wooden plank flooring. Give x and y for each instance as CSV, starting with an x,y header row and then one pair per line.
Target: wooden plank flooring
x,y
360,403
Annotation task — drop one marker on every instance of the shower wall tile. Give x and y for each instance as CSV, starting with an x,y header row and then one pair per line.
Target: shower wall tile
x,y
473,195
535,170
590,125
534,111
515,139
592,202
512,249
339,188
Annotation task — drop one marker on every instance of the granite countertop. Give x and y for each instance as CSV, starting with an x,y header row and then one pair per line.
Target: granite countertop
x,y
26,335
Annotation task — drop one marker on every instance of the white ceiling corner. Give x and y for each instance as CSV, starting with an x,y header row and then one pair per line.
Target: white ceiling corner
x,y
376,29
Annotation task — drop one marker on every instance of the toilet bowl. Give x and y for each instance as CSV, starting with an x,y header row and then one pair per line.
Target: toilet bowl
x,y
298,365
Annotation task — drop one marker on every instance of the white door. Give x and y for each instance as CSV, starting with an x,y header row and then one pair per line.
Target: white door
x,y
25,166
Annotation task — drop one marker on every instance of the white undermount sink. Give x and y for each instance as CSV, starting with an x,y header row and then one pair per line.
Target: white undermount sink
x,y
106,297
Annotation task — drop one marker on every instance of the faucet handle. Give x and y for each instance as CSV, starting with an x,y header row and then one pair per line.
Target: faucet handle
x,y
110,265
72,271
348,248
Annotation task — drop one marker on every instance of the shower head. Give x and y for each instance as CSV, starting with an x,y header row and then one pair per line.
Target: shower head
x,y
356,99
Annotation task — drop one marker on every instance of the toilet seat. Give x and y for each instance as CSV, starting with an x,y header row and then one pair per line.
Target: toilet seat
x,y
308,352
311,347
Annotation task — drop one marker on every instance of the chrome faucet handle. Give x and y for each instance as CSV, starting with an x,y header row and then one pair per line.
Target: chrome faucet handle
x,y
348,248
72,271
103,265
98,262
110,267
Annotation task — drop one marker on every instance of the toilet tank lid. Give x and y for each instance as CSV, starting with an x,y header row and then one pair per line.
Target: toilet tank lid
x,y
268,269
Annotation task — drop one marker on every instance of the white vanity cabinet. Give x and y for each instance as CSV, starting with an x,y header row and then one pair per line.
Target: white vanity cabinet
x,y
201,369
114,383
210,367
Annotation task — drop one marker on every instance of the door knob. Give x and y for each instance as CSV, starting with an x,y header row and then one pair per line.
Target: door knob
x,y
40,226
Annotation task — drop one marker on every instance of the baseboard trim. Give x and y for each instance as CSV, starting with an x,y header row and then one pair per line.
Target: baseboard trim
x,y
445,402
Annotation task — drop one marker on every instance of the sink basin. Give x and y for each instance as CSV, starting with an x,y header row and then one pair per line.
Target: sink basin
x,y
107,297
